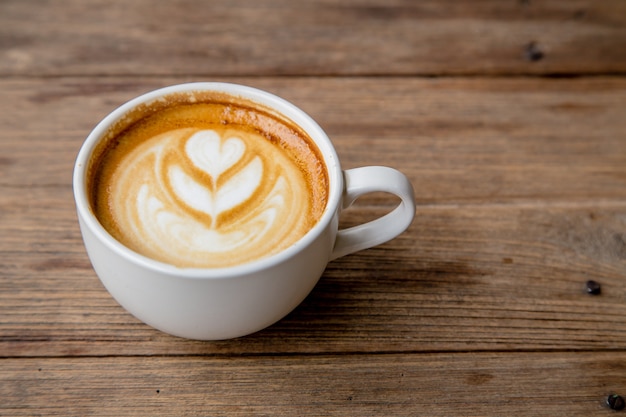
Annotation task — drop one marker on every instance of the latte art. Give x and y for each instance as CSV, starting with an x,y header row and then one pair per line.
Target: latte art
x,y
212,196
212,156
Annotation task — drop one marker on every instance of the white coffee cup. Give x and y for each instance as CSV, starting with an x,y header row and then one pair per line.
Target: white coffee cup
x,y
223,303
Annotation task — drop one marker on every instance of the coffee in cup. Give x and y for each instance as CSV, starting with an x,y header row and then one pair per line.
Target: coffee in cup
x,y
210,210
207,180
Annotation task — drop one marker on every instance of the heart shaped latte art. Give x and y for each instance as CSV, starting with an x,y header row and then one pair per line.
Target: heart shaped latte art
x,y
215,156
209,152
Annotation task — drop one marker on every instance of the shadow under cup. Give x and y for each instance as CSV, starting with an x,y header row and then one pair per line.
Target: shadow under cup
x,y
227,302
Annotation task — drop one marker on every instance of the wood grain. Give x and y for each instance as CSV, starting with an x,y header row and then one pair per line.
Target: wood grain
x,y
281,37
509,117
459,140
469,384
518,207
473,277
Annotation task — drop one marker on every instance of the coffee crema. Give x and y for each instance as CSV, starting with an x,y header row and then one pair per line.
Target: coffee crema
x,y
207,180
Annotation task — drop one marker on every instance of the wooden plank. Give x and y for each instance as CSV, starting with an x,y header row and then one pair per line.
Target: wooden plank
x,y
472,277
459,140
269,37
471,384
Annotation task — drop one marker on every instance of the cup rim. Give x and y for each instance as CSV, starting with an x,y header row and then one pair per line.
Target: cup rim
x,y
284,107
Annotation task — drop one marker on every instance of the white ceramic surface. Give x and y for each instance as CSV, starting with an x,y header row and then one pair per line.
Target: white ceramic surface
x,y
213,304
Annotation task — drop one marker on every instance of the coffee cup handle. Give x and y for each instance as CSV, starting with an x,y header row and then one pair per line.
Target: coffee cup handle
x,y
359,181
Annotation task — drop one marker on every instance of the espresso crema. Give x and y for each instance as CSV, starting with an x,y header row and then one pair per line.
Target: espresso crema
x,y
207,180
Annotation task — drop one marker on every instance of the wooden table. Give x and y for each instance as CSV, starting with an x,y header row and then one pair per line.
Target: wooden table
x,y
508,116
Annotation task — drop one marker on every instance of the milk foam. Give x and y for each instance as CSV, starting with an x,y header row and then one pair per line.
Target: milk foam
x,y
209,153
207,198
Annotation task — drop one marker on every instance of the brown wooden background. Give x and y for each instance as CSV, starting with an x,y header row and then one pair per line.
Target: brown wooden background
x,y
509,117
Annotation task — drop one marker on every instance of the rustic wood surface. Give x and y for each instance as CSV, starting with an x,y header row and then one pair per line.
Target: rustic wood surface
x,y
509,117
